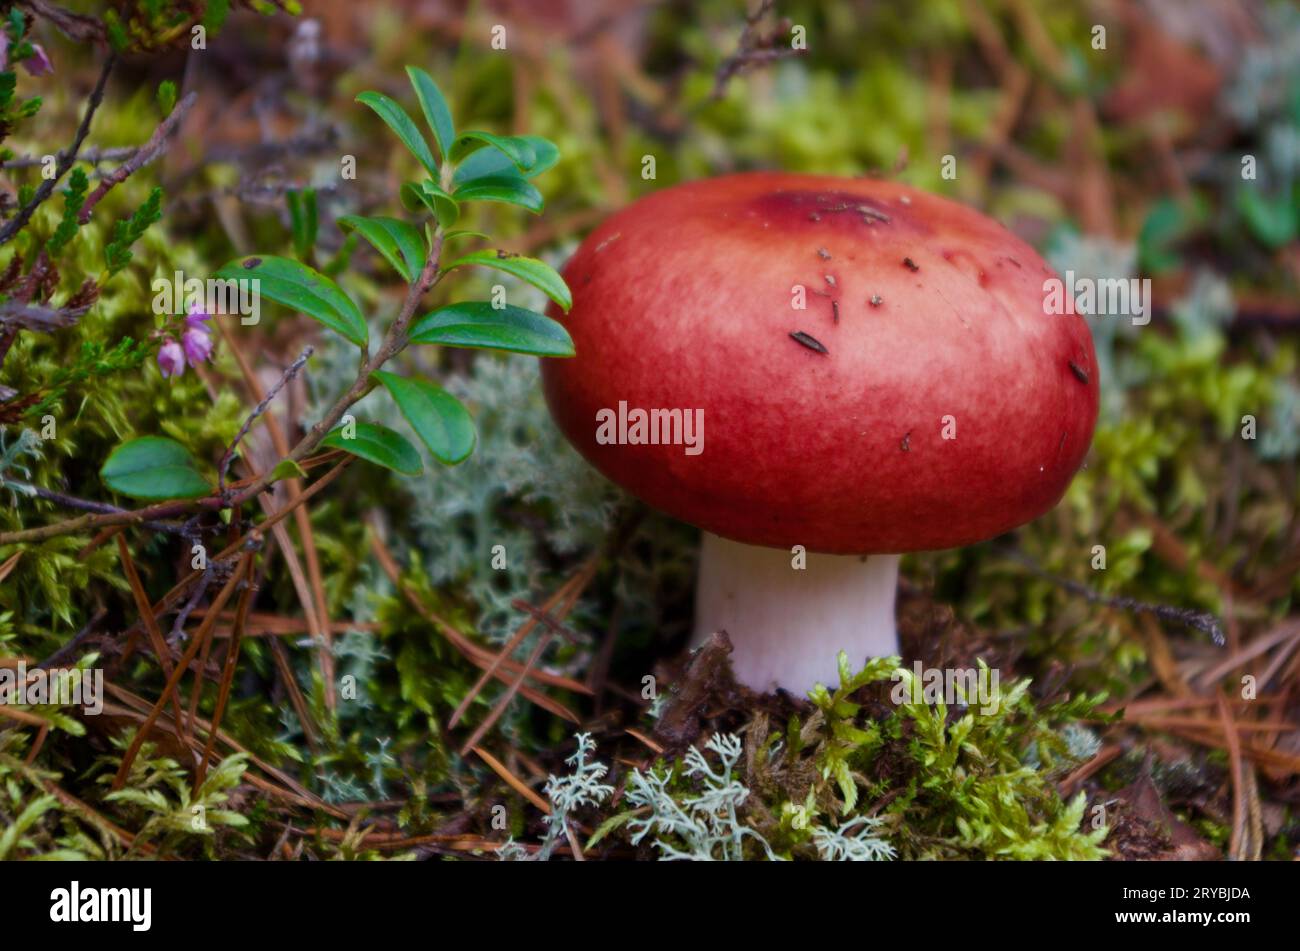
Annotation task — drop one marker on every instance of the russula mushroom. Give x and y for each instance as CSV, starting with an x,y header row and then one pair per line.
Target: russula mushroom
x,y
822,374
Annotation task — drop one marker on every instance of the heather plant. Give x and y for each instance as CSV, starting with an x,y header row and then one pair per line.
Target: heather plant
x,y
72,254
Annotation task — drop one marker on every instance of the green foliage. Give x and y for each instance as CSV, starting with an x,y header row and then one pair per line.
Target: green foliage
x,y
11,456
303,217
1169,449
74,196
15,111
303,289
92,361
480,325
377,444
215,13
395,118
537,273
437,114
845,741
155,24
429,195
34,823
495,163
166,97
398,241
976,788
117,253
862,781
437,417
153,467
160,798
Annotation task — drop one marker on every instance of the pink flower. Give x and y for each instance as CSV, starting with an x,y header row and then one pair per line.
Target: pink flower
x,y
197,316
4,49
198,344
38,64
171,358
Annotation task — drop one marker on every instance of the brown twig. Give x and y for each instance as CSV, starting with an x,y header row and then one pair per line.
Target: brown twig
x,y
174,680
513,781
1201,620
141,157
316,607
229,455
146,615
89,505
1235,765
755,49
227,672
508,649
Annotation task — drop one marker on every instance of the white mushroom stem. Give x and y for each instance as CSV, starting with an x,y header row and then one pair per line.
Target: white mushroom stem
x,y
788,624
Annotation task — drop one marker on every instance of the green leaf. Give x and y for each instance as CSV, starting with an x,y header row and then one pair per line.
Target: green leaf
x,y
510,189
492,161
153,467
517,148
1271,219
117,253
537,273
398,241
31,814
166,97
434,107
397,120
450,235
287,469
377,444
301,288
427,195
609,825
479,324
303,220
437,417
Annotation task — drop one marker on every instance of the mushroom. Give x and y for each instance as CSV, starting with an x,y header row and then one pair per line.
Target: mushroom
x,y
822,374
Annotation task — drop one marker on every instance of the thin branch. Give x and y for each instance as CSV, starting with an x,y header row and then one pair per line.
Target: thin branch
x,y
142,156
177,633
755,49
90,156
1201,620
67,649
229,456
88,505
75,26
142,732
19,221
227,673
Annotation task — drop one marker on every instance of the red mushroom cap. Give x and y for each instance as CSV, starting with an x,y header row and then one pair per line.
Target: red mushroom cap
x,y
933,323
